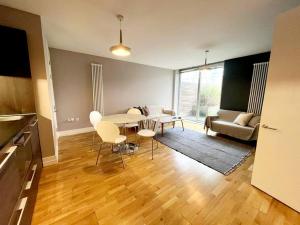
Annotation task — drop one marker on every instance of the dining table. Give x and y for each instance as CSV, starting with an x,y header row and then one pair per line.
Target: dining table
x,y
124,118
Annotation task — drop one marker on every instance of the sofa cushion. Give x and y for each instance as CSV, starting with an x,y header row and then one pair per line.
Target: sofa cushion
x,y
228,115
231,129
155,116
155,110
254,121
243,119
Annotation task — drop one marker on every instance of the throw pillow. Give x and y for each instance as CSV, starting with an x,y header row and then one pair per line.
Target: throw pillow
x,y
139,108
243,119
146,111
254,121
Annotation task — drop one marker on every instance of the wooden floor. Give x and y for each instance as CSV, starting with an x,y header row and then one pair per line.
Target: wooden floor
x,y
171,189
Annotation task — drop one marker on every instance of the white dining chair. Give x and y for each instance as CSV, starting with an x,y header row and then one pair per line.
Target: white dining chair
x,y
132,125
150,133
110,133
95,118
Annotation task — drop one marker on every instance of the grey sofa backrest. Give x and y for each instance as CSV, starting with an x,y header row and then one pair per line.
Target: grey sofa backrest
x,y
228,115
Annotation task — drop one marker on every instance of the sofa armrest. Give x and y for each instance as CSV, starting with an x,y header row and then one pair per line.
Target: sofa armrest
x,y
169,111
255,132
208,120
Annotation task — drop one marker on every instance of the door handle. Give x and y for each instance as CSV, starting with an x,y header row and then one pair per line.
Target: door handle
x,y
267,127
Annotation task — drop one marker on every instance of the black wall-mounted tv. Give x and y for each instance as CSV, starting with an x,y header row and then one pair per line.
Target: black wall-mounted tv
x,y
14,57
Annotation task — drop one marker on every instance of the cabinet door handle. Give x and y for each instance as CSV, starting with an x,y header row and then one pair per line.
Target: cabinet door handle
x,y
10,151
21,207
267,127
34,123
29,183
26,140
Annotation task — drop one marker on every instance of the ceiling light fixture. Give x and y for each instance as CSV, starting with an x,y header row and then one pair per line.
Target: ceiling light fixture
x,y
120,49
205,67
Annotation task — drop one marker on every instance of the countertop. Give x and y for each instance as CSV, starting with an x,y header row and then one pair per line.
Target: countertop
x,y
9,129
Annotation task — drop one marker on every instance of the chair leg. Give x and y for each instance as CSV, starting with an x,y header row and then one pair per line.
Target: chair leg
x,y
93,140
152,148
125,133
139,142
135,129
120,151
98,153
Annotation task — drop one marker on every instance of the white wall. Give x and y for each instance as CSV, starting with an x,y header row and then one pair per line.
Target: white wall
x,y
125,85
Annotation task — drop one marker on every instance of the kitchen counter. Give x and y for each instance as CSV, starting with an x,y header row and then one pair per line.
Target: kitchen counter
x,y
9,129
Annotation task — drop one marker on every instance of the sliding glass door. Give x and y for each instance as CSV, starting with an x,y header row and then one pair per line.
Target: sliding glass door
x,y
210,92
188,96
200,93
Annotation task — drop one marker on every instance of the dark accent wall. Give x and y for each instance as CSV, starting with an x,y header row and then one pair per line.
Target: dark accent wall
x,y
237,81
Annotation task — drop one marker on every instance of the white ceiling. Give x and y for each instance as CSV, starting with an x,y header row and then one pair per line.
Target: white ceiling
x,y
165,33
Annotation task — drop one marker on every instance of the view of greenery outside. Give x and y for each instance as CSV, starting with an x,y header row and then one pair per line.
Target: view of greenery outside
x,y
204,97
188,94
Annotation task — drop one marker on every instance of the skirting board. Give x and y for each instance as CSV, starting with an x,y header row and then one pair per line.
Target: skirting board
x,y
75,131
50,160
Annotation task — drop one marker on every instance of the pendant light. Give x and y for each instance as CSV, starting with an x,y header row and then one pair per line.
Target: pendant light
x,y
120,49
205,67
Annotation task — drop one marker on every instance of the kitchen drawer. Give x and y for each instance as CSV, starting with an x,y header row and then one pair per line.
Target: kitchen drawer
x,y
24,210
20,169
10,185
32,180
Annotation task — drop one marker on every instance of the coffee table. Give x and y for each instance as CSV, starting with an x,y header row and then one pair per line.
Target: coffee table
x,y
168,119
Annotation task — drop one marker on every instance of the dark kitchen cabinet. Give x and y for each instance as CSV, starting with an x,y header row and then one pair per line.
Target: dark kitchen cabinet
x,y
10,185
35,140
21,165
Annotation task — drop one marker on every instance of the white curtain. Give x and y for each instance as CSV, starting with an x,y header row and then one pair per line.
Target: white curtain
x,y
258,84
97,83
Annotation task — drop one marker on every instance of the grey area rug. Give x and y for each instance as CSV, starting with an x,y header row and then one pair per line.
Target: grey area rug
x,y
220,154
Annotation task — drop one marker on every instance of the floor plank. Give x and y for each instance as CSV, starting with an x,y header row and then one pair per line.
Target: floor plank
x,y
171,189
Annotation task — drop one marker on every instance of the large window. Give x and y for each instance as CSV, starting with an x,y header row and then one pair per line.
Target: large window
x,y
200,92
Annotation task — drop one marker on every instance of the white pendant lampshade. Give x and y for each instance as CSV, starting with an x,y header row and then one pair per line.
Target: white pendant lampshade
x,y
120,49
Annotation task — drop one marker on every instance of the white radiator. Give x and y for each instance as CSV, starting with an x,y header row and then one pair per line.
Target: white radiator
x,y
258,84
97,84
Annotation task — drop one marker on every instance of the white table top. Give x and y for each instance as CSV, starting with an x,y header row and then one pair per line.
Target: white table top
x,y
124,118
168,119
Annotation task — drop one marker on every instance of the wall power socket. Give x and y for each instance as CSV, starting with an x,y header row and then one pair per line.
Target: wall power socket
x,y
72,119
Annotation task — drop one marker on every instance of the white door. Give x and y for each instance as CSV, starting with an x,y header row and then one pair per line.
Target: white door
x,y
277,160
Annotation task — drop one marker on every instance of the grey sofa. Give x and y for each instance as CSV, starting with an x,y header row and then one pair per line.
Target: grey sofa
x,y
223,123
